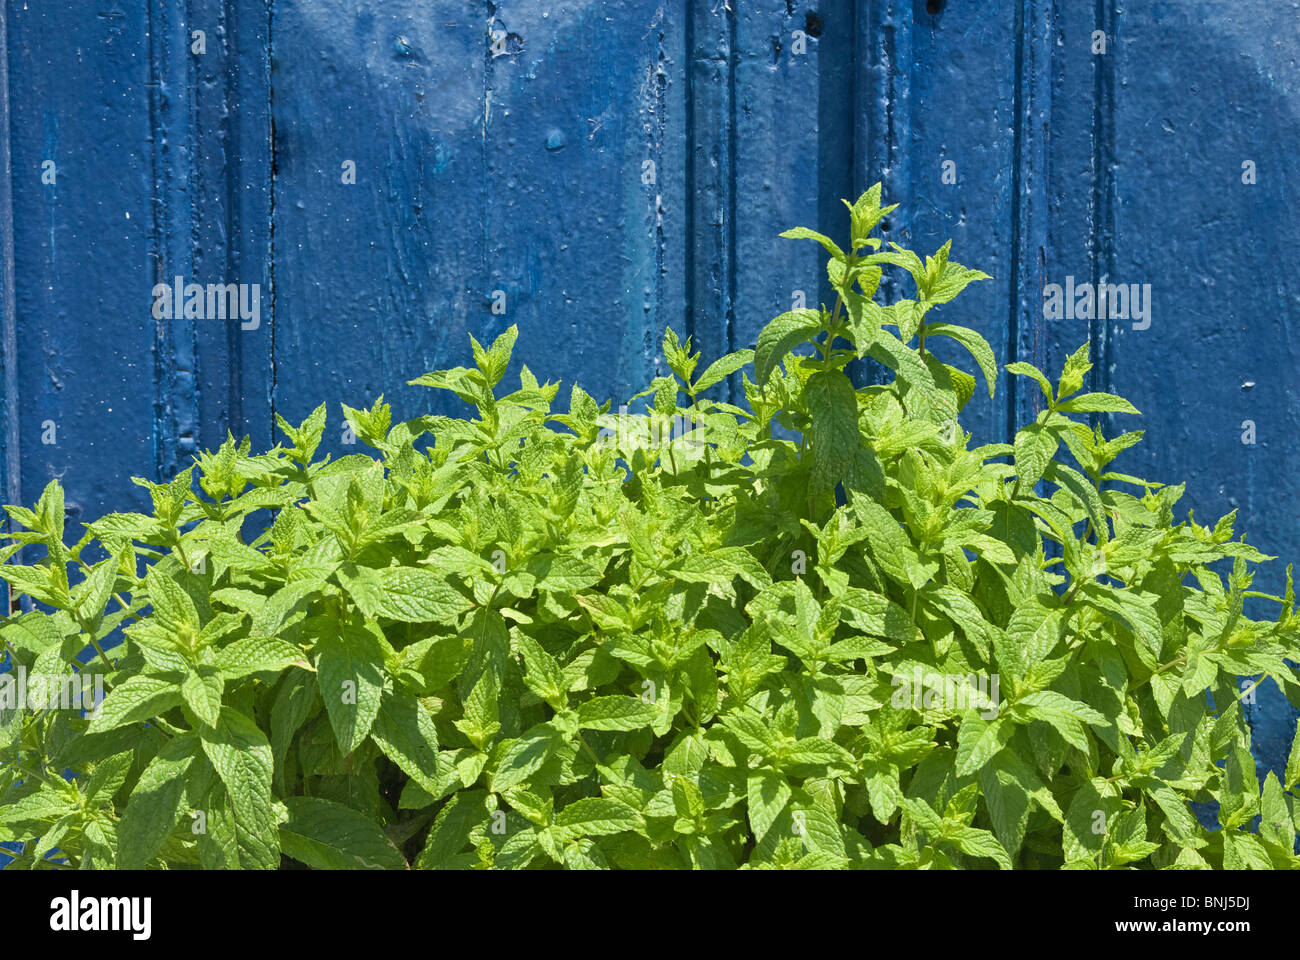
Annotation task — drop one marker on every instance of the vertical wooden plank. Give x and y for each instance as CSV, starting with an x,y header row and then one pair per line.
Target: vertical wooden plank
x,y
171,89
1029,338
9,446
1080,185
793,153
882,155
10,464
961,173
669,124
1200,96
377,210
832,31
711,294
229,225
574,94
82,298
249,199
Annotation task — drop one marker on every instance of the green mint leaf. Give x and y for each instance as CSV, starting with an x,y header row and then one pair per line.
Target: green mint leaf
x,y
408,594
350,675
722,368
405,732
241,756
833,406
330,836
137,698
780,336
156,805
803,233
616,713
1097,403
979,348
1029,370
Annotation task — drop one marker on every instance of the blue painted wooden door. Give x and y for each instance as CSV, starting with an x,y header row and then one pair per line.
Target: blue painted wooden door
x,y
392,174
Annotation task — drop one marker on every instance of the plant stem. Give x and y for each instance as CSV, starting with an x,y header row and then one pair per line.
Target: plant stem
x,y
95,643
586,746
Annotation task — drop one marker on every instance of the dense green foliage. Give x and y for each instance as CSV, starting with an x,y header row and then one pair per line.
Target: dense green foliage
x,y
820,631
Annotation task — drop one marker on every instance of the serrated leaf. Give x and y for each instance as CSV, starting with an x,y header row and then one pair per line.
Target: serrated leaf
x,y
258,655
349,674
981,843
722,368
780,336
833,406
136,698
1035,446
768,793
405,731
202,690
597,817
978,741
803,233
241,755
521,758
451,829
1097,403
1024,369
562,572
979,348
407,594
330,836
616,713
156,803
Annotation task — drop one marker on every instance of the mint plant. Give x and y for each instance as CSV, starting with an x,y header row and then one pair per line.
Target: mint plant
x,y
681,638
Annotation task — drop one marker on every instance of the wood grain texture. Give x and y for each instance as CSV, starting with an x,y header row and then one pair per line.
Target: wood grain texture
x,y
84,352
1190,101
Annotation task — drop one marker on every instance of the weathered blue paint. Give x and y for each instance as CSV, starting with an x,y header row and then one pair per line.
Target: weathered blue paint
x,y
82,363
507,147
1191,98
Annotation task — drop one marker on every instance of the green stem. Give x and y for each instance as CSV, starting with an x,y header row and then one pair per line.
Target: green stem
x,y
830,330
1161,669
708,450
102,655
19,768
29,858
1074,589
95,643
586,746
120,602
